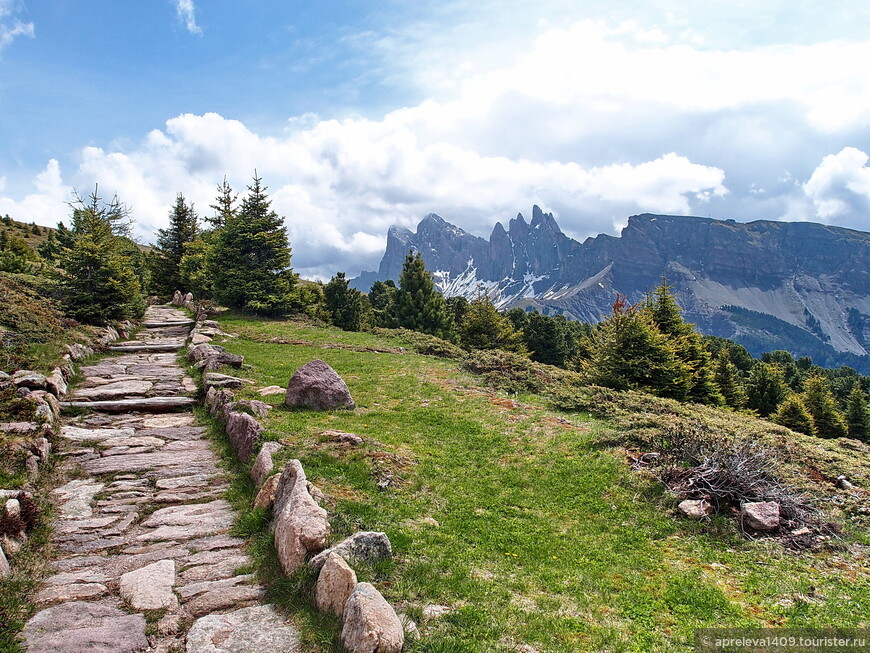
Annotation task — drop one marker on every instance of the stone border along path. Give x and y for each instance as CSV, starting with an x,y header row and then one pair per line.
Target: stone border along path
x,y
143,534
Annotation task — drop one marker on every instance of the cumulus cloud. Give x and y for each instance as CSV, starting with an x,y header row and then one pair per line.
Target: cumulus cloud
x,y
186,13
48,205
839,188
10,28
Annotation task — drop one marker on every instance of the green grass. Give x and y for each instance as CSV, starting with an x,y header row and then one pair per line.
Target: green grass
x,y
544,536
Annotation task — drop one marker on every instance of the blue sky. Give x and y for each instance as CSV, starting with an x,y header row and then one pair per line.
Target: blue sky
x,y
359,115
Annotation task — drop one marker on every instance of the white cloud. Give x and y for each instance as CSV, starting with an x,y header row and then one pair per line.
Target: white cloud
x,y
48,205
839,188
12,29
187,14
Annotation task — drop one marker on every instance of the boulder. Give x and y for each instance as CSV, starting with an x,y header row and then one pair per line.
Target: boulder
x,y
201,351
215,360
370,623
250,406
263,465
760,515
695,509
29,379
316,385
55,383
334,585
49,399
199,338
266,496
365,546
150,588
301,526
216,399
177,298
244,432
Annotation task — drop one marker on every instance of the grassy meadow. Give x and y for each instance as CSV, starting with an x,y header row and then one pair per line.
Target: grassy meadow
x,y
525,522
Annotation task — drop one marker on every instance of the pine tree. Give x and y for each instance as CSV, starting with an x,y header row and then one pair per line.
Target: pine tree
x,y
348,307
171,243
418,305
627,351
727,378
250,263
98,278
822,406
668,317
765,389
857,416
793,414
485,328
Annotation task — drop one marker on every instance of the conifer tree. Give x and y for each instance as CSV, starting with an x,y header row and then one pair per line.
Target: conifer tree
x,y
381,297
418,305
728,380
250,263
171,243
857,416
793,414
485,328
547,339
98,277
668,317
822,406
627,351
765,389
348,307
224,206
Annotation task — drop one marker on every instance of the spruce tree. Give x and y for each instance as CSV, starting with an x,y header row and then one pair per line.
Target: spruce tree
x,y
224,206
547,339
171,243
822,406
348,307
728,379
99,280
793,414
765,389
485,328
381,297
627,351
418,305
668,317
857,416
250,263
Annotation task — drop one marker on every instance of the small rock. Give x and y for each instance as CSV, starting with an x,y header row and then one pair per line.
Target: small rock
x,y
316,385
56,383
244,432
215,380
198,338
271,390
410,627
177,298
435,611
29,379
250,406
334,585
11,545
343,438
266,496
79,351
13,508
150,588
216,399
263,464
202,351
301,526
5,569
695,509
365,546
19,428
761,515
844,484
32,467
370,623
803,530
169,624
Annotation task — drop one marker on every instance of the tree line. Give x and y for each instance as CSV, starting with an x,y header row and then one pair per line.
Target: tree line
x,y
239,257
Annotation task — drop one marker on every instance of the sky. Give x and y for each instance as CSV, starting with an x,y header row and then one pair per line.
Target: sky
x,y
359,115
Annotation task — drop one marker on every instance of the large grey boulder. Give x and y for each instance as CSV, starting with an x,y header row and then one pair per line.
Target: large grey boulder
x,y
335,583
365,546
244,432
316,385
370,623
760,515
301,526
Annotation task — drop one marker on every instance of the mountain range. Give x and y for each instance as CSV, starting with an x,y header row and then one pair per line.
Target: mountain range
x,y
799,286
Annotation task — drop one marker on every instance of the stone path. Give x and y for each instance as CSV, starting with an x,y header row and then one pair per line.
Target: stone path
x,y
145,560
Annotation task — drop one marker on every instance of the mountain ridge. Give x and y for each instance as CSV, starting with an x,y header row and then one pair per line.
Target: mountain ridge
x,y
803,275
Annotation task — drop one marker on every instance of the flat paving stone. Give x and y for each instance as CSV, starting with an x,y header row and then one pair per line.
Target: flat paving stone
x,y
81,627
